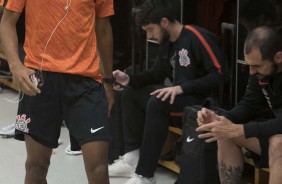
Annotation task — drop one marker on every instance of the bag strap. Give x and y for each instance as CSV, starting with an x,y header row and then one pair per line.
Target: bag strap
x,y
206,45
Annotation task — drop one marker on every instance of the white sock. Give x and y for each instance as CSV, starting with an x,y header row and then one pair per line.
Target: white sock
x,y
132,157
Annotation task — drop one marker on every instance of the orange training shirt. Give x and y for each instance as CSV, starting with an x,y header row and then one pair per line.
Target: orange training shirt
x,y
72,46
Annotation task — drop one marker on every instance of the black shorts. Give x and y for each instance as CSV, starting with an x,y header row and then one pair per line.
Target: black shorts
x,y
79,101
261,161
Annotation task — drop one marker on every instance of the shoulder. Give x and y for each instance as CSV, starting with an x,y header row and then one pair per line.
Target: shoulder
x,y
196,31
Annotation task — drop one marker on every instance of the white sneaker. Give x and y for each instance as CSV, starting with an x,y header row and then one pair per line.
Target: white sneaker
x,y
68,151
138,179
60,141
120,168
8,131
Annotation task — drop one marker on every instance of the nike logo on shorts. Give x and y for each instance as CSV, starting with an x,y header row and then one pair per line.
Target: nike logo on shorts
x,y
95,130
189,140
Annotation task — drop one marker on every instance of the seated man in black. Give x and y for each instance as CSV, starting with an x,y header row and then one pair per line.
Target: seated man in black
x,y
263,99
146,108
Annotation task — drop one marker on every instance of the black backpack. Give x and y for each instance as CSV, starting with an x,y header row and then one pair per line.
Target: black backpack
x,y
198,159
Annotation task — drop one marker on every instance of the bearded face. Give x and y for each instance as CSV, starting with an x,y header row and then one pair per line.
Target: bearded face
x,y
272,70
261,68
156,33
164,36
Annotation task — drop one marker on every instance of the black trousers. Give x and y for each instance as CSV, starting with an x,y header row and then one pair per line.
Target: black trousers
x,y
146,120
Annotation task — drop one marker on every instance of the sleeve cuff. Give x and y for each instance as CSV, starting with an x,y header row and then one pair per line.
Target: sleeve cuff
x,y
251,130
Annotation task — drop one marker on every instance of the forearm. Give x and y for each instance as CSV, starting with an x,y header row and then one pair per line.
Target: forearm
x,y
203,85
252,128
9,38
105,46
157,74
143,79
1,11
265,128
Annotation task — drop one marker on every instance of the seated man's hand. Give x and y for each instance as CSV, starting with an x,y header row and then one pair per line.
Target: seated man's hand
x,y
169,92
122,80
220,128
206,116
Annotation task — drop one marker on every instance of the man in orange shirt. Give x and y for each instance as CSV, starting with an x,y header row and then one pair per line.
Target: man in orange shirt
x,y
61,79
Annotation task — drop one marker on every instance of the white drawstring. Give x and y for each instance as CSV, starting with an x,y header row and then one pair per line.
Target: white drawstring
x,y
44,51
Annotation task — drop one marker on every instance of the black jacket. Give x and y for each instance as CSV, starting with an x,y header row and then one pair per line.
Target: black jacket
x,y
261,100
187,62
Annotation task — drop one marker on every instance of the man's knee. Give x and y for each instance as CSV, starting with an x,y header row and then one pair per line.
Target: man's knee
x,y
37,170
97,169
225,143
130,97
275,148
128,93
157,107
137,94
154,103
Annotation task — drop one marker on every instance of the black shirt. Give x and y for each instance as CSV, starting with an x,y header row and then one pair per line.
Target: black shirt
x,y
261,100
187,62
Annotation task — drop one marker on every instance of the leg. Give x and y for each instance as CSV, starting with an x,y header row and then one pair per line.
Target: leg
x,y
230,158
85,111
74,144
37,162
133,103
155,133
95,155
73,148
275,159
156,130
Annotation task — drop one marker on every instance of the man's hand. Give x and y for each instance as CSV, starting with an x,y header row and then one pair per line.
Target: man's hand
x,y
122,79
21,76
169,92
221,128
206,116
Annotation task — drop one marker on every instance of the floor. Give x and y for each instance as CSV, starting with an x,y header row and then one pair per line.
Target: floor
x,y
64,169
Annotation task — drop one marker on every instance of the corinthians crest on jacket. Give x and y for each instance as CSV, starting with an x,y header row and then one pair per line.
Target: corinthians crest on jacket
x,y
184,60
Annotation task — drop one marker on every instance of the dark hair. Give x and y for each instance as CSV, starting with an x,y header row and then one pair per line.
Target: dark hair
x,y
152,11
267,39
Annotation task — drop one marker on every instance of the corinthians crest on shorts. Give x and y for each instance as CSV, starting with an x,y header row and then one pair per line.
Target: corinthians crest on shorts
x,y
184,60
21,123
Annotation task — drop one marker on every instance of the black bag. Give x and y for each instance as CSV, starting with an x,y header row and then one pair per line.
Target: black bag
x,y
199,159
